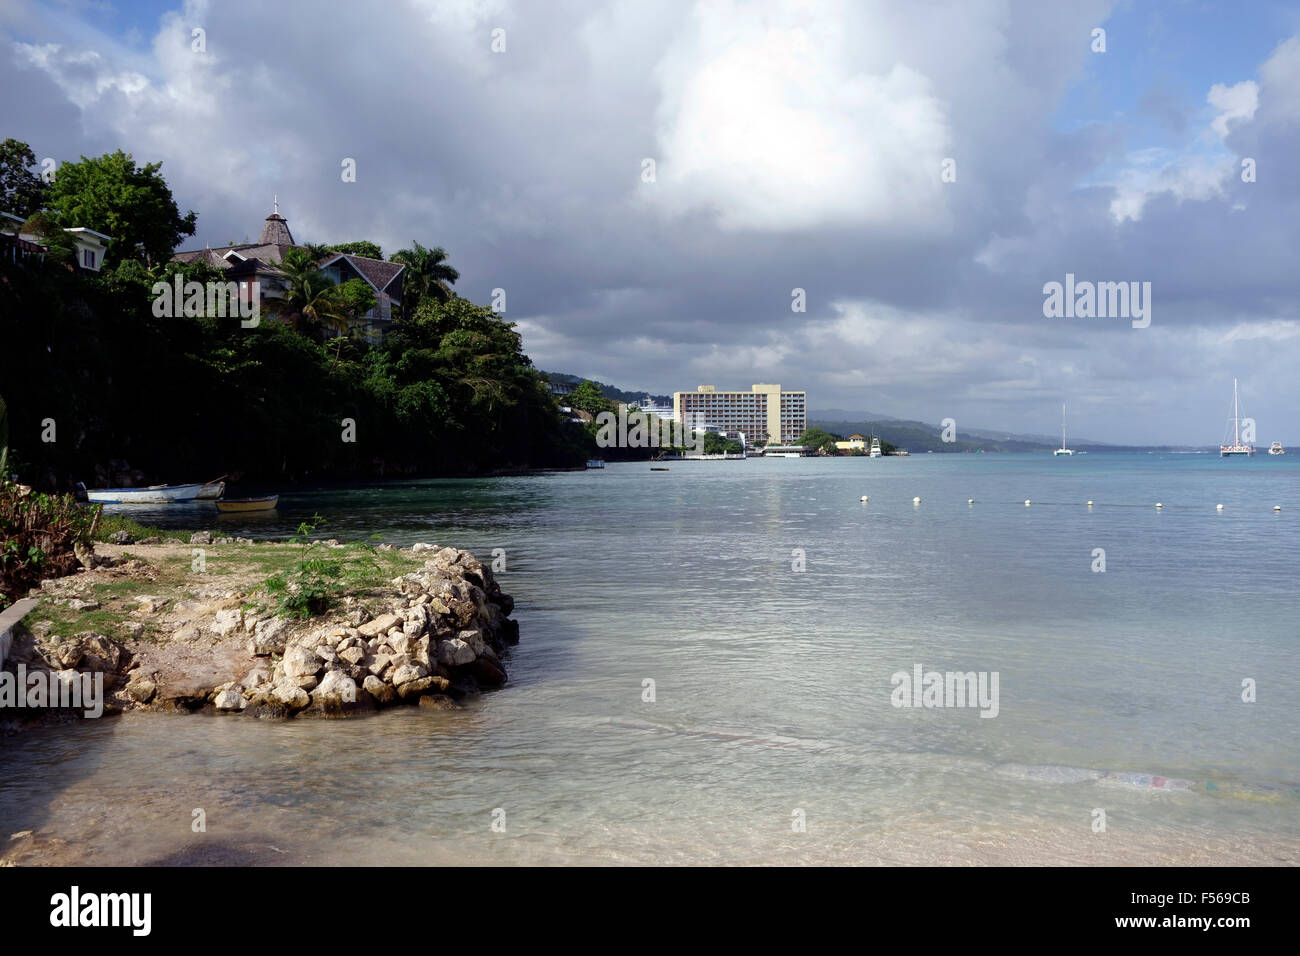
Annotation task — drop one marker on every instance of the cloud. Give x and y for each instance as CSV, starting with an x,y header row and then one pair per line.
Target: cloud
x,y
797,145
771,119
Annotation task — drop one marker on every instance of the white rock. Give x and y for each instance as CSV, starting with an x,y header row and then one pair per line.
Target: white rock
x,y
291,696
407,673
353,655
228,620
301,662
455,652
230,700
379,625
336,684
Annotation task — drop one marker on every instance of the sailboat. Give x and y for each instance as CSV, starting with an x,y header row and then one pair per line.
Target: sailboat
x,y
1238,448
1063,450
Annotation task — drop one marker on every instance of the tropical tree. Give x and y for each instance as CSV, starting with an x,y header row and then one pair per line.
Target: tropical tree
x,y
586,396
819,440
311,302
60,247
133,204
362,247
22,192
427,273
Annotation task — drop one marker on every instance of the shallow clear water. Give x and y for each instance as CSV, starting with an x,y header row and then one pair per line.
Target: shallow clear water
x,y
772,686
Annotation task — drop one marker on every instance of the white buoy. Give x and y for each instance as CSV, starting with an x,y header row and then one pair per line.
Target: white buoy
x,y
1159,504
863,498
1089,502
1277,507
1026,502
1218,507
970,501
916,500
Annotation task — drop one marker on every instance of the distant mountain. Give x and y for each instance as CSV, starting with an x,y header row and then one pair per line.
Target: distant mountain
x,y
916,436
921,436
610,391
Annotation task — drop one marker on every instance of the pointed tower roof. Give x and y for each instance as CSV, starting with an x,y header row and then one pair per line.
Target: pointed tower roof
x,y
276,231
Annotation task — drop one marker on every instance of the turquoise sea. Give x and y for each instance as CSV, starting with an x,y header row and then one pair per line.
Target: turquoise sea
x,y
771,736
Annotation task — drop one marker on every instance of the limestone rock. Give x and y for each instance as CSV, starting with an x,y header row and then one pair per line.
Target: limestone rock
x,y
270,637
141,690
422,685
301,662
294,698
353,655
230,700
407,673
455,652
380,691
380,625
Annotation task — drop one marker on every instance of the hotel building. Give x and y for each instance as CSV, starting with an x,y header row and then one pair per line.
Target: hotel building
x,y
763,414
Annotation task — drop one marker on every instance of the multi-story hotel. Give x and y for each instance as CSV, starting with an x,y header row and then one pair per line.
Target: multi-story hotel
x,y
763,414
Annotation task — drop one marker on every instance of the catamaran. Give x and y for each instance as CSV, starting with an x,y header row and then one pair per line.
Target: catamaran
x,y
1063,450
1238,447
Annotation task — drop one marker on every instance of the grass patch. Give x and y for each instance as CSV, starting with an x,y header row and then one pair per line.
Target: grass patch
x,y
111,524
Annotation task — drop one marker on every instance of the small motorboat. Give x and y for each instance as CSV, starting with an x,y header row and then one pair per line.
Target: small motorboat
x,y
1276,449
152,495
265,503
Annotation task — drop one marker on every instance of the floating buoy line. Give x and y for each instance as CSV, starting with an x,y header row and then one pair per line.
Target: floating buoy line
x,y
1028,502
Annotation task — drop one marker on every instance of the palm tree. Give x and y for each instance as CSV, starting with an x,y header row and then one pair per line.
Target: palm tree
x,y
310,301
427,273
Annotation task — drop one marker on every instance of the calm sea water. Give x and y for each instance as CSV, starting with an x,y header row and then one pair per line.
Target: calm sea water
x,y
772,685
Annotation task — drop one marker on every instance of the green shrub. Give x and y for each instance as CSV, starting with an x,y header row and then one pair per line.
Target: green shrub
x,y
38,537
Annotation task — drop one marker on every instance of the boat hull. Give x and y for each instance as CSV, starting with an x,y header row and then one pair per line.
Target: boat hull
x,y
153,495
211,491
239,505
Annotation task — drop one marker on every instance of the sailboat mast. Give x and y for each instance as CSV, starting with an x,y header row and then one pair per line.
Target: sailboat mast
x,y
1062,426
1235,439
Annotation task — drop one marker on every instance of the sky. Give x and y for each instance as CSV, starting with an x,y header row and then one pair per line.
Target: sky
x,y
650,183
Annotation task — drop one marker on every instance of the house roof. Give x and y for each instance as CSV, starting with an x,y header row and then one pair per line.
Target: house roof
x,y
90,232
275,232
274,244
375,271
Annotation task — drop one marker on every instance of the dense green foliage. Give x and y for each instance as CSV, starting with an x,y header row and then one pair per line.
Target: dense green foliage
x,y
112,195
22,191
38,538
715,444
122,392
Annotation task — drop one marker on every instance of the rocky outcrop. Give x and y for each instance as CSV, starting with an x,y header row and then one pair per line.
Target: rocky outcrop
x,y
436,633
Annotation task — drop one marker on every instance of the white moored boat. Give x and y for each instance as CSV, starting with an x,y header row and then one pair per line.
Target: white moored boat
x,y
1276,449
1238,448
875,447
152,495
1063,450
